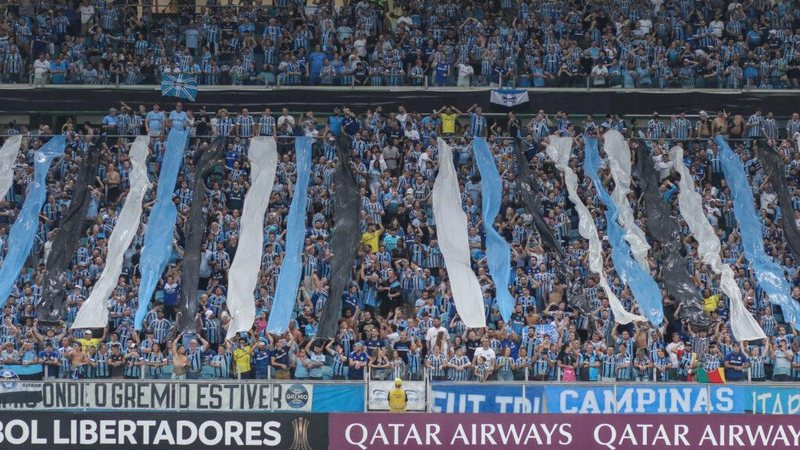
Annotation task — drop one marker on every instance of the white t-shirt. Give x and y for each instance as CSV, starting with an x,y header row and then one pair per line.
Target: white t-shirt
x,y
41,67
360,45
645,25
464,71
431,335
488,355
87,13
717,26
286,118
598,74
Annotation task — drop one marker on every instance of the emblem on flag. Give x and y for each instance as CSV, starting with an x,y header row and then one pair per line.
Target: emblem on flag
x,y
509,97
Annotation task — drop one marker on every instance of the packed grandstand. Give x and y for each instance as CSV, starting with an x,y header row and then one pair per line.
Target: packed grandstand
x,y
619,43
399,317
598,287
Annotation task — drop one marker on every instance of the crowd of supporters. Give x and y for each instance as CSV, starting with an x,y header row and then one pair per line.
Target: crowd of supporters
x,y
398,317
527,43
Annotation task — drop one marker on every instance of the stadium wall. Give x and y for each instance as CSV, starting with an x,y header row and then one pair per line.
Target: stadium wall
x,y
91,99
436,397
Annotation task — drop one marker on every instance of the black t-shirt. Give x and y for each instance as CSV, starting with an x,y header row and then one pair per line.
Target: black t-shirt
x,y
402,349
116,371
372,345
281,355
472,345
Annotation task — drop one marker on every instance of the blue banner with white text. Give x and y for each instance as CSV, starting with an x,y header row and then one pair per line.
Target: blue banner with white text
x,y
486,398
647,399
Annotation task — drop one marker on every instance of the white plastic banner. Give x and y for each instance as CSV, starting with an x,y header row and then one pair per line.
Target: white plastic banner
x,y
453,237
743,324
619,159
378,398
243,273
559,150
94,313
8,155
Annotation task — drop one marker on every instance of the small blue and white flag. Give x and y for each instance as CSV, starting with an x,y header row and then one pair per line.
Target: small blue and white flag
x,y
509,97
179,85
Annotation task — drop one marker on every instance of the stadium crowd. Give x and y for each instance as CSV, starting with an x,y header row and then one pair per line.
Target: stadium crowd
x,y
398,317
531,43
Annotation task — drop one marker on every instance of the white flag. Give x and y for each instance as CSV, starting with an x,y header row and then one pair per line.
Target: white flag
x,y
509,97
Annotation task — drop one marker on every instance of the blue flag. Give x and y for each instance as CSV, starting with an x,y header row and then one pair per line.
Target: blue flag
x,y
158,236
769,274
644,288
23,232
292,268
180,85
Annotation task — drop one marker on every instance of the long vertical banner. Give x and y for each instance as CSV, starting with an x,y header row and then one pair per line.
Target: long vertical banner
x,y
775,169
68,238
453,238
743,325
644,288
23,232
93,313
195,230
8,156
768,273
243,273
619,159
160,224
498,253
344,242
665,229
529,194
559,151
292,268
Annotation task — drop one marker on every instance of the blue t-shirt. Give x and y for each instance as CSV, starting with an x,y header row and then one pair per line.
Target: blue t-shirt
x,y
736,359
178,119
335,123
261,360
441,72
155,120
352,372
110,120
316,60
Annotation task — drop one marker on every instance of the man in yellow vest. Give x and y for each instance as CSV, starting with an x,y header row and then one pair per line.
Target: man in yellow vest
x,y
397,397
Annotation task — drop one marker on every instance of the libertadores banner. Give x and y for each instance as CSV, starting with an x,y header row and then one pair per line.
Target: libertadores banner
x,y
411,431
52,430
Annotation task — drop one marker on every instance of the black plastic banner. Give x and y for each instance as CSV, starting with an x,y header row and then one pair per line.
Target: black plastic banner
x,y
664,229
344,242
195,230
67,239
774,167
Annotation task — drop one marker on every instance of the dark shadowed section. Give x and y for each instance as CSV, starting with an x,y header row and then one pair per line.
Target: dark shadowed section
x,y
195,230
664,229
530,196
774,168
66,242
345,237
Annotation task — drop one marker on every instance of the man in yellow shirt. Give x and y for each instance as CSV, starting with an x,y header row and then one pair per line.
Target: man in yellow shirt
x,y
398,400
241,359
88,341
372,236
449,115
